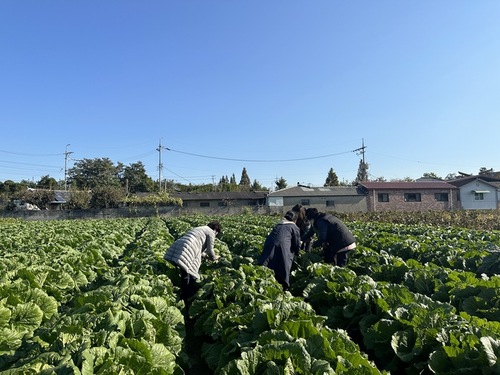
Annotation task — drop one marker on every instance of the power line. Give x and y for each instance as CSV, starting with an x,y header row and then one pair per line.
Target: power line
x,y
24,154
258,160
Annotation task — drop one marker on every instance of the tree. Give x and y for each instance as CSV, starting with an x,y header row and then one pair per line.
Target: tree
x,y
11,187
226,184
256,186
281,183
244,180
136,180
362,172
106,196
484,170
38,197
451,176
92,173
406,179
431,175
47,182
331,179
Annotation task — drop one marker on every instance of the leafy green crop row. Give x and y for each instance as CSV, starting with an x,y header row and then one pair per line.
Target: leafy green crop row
x,y
96,297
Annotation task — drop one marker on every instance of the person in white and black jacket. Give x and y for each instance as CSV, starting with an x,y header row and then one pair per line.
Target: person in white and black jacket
x,y
187,252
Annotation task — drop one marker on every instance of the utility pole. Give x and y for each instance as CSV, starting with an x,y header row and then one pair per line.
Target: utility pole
x,y
160,165
363,167
361,150
66,155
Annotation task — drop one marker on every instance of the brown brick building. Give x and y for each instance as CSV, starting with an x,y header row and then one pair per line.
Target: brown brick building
x,y
424,195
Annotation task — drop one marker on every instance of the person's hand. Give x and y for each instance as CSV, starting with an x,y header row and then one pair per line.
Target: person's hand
x,y
217,257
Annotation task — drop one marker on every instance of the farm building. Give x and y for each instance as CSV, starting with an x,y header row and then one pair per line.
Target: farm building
x,y
222,199
333,198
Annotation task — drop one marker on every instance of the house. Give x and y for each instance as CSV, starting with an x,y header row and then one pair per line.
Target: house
x,y
421,195
60,198
333,198
478,192
222,199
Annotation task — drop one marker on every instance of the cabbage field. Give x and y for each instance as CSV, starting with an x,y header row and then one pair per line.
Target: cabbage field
x,y
96,297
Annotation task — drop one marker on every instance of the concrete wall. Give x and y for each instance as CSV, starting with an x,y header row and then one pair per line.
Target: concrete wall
x,y
110,213
341,203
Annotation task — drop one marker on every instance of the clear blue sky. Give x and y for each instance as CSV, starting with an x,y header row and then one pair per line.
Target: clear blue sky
x,y
284,88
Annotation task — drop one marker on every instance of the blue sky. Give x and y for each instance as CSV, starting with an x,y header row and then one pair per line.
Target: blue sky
x,y
283,88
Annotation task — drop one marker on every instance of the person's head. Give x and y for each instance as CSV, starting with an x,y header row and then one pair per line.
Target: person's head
x,y
215,226
301,214
311,213
291,216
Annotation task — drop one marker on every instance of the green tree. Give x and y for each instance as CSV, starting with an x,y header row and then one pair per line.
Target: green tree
x,y
431,175
244,180
93,173
106,196
280,183
483,171
28,183
136,180
39,197
362,171
331,179
256,186
47,182
226,184
451,176
11,187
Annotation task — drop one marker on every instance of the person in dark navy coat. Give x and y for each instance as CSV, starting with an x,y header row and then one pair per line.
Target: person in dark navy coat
x,y
280,247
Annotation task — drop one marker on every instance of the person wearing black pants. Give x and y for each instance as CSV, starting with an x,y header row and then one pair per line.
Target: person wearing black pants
x,y
333,236
187,252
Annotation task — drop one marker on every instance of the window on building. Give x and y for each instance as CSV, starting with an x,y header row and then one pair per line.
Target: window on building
x,y
383,197
412,197
479,196
441,197
305,202
330,203
204,204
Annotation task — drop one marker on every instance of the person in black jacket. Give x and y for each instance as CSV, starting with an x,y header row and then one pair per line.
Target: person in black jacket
x,y
333,236
303,225
280,247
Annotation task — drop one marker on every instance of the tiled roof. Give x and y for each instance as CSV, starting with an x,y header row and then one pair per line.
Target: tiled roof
x,y
222,195
305,191
419,185
465,180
